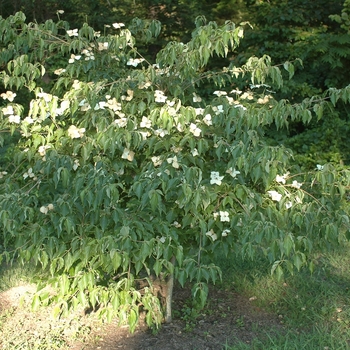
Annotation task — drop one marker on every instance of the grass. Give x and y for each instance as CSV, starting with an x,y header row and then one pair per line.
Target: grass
x,y
315,308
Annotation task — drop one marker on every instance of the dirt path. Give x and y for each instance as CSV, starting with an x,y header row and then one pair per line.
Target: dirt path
x,y
227,318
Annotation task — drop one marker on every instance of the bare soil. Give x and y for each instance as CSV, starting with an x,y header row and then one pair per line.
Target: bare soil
x,y
228,318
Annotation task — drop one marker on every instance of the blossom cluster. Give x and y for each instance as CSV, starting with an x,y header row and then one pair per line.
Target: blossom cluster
x,y
46,209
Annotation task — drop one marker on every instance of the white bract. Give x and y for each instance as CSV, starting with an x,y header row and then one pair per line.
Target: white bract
x,y
145,123
196,98
134,61
195,130
156,160
281,178
29,174
233,172
159,96
224,216
76,164
122,122
161,132
14,119
207,120
275,196
174,162
215,178
118,25
8,95
42,150
73,58
127,154
218,109
289,205
212,235
296,184
73,32
195,152
8,110
225,233
75,133
220,93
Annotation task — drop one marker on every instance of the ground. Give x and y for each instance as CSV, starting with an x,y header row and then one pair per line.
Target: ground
x,y
228,318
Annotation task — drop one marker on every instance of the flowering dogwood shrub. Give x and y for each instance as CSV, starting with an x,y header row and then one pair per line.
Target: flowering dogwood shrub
x,y
125,169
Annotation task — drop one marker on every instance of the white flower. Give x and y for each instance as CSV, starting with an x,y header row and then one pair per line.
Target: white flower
x,y
207,119
224,216
176,224
130,95
76,164
28,120
76,84
240,106
162,239
44,210
215,215
145,134
14,119
59,71
225,233
161,132
42,150
75,133
218,109
64,106
61,12
220,93
8,110
73,58
145,123
215,178
29,174
127,154
281,179
118,25
45,96
102,46
145,85
238,92
289,205
100,105
212,235
233,172
296,184
173,161
9,95
319,167
134,61
199,111
275,196
194,152
122,122
196,98
159,96
195,130
2,174
156,160
73,32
